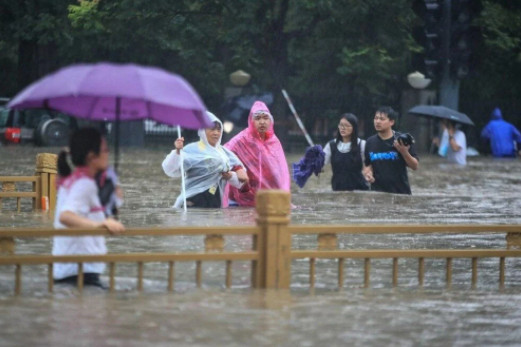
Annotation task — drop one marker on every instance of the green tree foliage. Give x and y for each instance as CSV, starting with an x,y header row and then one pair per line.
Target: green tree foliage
x,y
30,33
356,58
497,79
175,35
333,56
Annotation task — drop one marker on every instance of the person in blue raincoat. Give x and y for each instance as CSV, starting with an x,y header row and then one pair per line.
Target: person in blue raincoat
x,y
502,136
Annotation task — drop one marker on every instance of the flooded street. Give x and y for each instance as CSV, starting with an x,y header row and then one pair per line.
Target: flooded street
x,y
487,191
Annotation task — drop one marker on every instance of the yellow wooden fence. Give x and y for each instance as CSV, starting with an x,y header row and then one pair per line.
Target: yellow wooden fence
x,y
271,254
43,184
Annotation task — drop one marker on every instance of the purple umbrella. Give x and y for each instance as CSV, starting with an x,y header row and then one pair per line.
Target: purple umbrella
x,y
114,92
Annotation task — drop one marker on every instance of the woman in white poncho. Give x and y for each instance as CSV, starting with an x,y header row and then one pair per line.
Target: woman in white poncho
x,y
208,167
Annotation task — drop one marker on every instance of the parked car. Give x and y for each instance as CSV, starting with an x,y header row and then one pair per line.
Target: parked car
x,y
43,127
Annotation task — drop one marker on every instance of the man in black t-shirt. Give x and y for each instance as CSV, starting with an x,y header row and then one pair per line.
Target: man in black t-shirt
x,y
386,159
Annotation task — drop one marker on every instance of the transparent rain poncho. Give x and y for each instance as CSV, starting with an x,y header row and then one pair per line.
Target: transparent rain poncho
x,y
203,165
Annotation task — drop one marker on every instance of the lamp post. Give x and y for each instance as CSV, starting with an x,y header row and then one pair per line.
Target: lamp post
x,y
417,80
238,79
420,128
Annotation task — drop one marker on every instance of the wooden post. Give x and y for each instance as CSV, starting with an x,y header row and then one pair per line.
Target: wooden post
x,y
18,279
50,277
228,280
140,270
112,275
312,271
421,271
198,273
37,188
273,269
171,276
448,276
395,272
340,273
367,272
46,169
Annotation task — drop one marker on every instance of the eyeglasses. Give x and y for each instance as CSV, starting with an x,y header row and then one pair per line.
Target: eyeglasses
x,y
344,126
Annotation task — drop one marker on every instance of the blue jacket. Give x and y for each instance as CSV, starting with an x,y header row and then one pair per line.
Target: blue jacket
x,y
501,135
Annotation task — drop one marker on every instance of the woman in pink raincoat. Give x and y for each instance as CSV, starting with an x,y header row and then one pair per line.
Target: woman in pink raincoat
x,y
261,152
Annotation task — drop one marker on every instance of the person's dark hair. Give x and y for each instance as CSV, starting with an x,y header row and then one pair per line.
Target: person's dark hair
x,y
452,123
351,118
81,143
216,125
389,111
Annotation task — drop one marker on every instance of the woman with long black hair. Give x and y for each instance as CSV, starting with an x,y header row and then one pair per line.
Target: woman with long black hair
x,y
346,153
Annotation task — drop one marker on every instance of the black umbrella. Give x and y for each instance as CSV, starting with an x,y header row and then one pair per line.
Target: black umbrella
x,y
441,112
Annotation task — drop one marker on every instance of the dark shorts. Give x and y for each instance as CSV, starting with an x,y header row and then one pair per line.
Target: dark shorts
x,y
205,199
89,279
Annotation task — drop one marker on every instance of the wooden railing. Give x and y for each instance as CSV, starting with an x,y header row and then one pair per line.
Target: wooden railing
x,y
214,245
43,185
271,254
10,190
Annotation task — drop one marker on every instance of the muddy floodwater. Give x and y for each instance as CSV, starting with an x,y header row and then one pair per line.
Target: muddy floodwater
x,y
486,191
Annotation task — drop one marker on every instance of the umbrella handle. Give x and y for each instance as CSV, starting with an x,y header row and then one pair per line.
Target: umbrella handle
x,y
299,122
183,191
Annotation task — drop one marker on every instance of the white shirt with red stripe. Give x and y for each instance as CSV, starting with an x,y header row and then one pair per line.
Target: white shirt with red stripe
x,y
78,193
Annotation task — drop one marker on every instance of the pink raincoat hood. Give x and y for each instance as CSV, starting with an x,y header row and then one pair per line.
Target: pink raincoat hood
x,y
264,160
259,107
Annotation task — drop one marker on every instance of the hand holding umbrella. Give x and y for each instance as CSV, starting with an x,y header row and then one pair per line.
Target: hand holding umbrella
x,y
179,144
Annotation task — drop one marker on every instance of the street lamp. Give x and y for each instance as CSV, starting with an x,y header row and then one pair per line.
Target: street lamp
x,y
240,78
417,80
227,126
420,128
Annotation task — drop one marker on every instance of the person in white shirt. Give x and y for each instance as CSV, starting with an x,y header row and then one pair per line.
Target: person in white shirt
x,y
209,167
457,148
78,206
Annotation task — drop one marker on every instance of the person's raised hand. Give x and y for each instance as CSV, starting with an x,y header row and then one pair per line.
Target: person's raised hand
x,y
179,144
